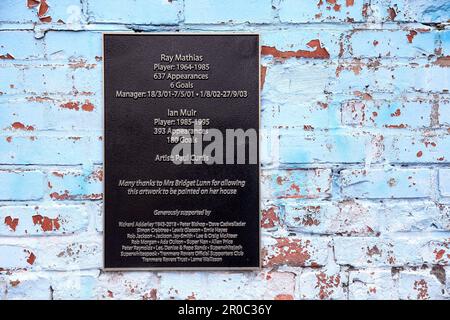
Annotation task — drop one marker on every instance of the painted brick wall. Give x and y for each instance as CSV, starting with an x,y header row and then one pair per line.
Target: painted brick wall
x,y
356,176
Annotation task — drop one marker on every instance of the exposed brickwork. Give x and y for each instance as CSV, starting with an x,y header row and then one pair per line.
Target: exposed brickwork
x,y
355,179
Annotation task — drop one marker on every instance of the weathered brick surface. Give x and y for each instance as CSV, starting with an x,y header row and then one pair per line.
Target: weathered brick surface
x,y
128,286
21,185
55,254
372,284
393,250
334,147
59,150
420,285
386,183
296,184
322,11
43,220
326,217
27,285
295,251
365,218
355,180
323,284
271,216
277,285
411,10
76,184
136,12
444,182
2,288
232,11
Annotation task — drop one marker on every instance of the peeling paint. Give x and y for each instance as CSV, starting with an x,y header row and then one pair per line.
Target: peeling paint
x,y
410,36
327,284
31,258
291,252
57,196
46,223
11,222
269,218
21,126
443,62
318,53
263,75
7,56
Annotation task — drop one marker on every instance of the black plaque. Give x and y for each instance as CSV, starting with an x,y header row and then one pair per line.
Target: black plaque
x,y
166,91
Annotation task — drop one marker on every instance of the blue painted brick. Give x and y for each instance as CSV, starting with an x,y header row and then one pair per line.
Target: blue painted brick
x,y
21,45
444,37
423,79
68,45
21,185
16,11
395,43
329,147
88,80
327,217
292,113
389,251
67,11
56,45
135,11
293,39
386,183
293,11
45,113
11,79
296,184
16,257
77,184
444,113
42,220
409,148
387,114
43,79
33,286
50,149
444,182
298,80
51,79
59,254
391,77
412,10
231,11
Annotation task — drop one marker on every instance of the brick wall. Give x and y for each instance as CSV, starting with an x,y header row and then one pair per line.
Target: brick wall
x,y
356,178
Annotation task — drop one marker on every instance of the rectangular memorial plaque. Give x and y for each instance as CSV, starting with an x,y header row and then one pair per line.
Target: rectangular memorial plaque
x,y
181,151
